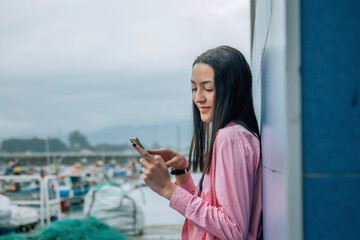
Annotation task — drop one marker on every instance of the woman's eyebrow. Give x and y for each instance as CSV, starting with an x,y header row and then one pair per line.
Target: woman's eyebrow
x,y
204,82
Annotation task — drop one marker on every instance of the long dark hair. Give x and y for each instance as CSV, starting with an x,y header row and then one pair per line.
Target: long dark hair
x,y
233,102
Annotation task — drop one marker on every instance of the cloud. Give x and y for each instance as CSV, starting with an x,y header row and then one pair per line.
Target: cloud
x,y
115,35
94,64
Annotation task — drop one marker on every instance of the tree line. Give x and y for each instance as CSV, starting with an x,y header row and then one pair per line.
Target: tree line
x,y
77,142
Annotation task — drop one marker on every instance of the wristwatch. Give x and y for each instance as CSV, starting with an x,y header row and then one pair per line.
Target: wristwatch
x,y
179,171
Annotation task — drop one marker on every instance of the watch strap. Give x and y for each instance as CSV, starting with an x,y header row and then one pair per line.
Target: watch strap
x,y
179,171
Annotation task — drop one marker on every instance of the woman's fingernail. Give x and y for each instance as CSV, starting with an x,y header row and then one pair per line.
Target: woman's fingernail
x,y
134,145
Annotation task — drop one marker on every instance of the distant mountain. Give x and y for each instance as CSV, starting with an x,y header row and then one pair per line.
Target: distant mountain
x,y
172,135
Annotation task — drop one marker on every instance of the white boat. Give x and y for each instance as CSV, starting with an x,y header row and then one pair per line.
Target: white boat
x,y
16,218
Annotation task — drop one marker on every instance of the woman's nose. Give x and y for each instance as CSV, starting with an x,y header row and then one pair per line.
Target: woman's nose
x,y
199,96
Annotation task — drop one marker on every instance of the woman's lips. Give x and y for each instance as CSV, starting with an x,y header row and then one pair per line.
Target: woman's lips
x,y
203,109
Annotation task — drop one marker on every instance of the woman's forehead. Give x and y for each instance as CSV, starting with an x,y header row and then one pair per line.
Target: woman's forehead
x,y
202,73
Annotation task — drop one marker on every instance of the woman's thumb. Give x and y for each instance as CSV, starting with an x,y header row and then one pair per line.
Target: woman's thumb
x,y
156,152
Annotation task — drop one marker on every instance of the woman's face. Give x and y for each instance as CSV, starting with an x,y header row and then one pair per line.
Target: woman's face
x,y
203,90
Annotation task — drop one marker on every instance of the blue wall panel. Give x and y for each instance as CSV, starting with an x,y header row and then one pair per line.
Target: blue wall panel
x,y
332,205
330,36
330,51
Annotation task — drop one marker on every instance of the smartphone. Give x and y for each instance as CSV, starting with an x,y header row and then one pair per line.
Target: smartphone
x,y
136,141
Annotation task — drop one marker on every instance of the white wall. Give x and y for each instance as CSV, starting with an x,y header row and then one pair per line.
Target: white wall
x,y
275,67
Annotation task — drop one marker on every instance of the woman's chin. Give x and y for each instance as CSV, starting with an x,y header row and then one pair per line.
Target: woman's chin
x,y
206,119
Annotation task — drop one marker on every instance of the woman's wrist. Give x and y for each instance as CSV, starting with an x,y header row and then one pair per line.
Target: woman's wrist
x,y
168,191
181,179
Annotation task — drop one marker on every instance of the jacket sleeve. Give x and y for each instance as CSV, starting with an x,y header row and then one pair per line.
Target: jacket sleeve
x,y
234,182
188,185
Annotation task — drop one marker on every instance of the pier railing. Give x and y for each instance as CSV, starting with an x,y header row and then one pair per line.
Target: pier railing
x,y
40,158
48,196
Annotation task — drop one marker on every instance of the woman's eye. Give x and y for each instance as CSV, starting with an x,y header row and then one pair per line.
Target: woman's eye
x,y
209,90
193,89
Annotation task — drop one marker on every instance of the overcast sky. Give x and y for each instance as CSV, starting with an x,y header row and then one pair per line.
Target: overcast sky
x,y
90,65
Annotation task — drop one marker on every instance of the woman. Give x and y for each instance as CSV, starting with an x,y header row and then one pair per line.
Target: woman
x,y
226,204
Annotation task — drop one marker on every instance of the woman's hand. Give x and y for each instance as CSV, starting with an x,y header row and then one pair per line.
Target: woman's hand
x,y
156,174
171,158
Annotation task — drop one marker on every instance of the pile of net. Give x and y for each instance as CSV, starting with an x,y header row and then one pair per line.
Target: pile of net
x,y
69,229
119,206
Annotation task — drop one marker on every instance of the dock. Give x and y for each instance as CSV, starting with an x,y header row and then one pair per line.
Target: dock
x,y
160,232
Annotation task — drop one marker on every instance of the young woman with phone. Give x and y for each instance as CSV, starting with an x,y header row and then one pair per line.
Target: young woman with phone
x,y
225,147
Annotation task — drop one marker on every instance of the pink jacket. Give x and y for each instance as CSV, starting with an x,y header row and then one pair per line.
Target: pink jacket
x,y
230,204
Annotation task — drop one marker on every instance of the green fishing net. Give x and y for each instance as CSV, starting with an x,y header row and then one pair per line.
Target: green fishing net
x,y
70,229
